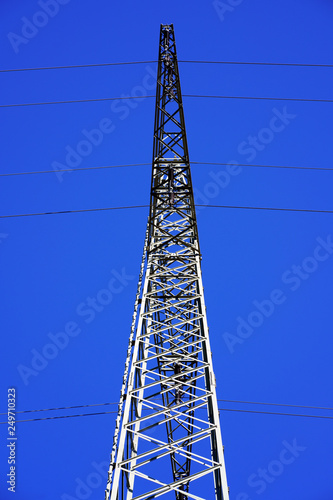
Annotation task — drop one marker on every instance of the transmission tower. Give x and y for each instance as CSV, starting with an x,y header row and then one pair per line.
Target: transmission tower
x,y
168,440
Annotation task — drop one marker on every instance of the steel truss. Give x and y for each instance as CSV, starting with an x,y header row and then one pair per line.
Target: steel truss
x,y
168,410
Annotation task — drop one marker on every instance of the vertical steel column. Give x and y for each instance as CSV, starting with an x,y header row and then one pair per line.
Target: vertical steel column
x,y
169,442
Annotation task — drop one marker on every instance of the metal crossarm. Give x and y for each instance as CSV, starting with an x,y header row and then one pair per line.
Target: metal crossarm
x,y
168,440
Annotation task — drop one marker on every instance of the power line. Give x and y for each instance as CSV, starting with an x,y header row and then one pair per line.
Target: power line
x,y
62,408
76,66
257,98
251,63
63,416
221,400
149,96
74,169
75,211
147,206
261,63
268,208
145,164
277,413
274,404
220,409
71,101
260,166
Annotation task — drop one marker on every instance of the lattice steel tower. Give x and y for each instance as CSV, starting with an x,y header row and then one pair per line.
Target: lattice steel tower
x,y
168,441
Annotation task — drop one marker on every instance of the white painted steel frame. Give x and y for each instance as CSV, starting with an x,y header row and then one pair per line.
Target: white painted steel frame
x,y
170,413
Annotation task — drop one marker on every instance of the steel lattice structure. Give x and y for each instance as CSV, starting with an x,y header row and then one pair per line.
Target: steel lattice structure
x,y
168,439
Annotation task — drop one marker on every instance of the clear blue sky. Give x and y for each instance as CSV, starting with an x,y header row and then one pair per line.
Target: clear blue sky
x,y
53,267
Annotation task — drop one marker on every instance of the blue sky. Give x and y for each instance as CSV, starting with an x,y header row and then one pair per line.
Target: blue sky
x,y
271,270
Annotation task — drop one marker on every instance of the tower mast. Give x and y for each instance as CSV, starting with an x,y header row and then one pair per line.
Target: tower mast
x,y
168,440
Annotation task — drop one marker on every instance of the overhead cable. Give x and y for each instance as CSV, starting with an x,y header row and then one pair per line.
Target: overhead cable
x,y
25,104
71,101
75,169
74,211
251,63
276,404
220,409
61,408
257,98
268,208
147,206
8,174
221,400
76,66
